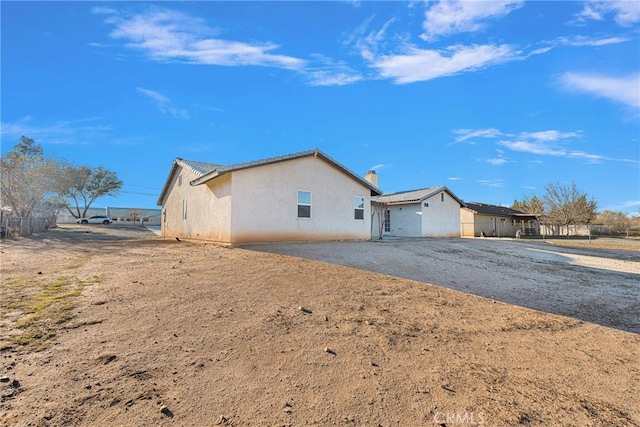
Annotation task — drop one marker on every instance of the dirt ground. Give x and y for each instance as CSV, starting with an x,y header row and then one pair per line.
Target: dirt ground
x,y
596,282
114,326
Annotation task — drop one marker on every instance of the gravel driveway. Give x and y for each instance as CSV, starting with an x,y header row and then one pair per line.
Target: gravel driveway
x,y
595,285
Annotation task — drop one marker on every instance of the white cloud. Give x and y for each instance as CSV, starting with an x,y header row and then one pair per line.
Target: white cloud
x,y
450,17
466,134
329,72
83,131
549,135
542,143
167,35
590,41
421,64
164,104
626,13
497,161
625,90
495,183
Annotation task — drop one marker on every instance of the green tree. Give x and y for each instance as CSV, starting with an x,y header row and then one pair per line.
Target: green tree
x,y
80,186
26,177
566,205
529,205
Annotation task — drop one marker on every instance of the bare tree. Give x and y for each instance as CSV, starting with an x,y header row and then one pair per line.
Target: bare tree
x,y
76,185
134,214
566,205
26,177
617,222
378,209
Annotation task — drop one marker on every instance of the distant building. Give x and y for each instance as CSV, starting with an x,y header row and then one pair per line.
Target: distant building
x,y
479,219
119,215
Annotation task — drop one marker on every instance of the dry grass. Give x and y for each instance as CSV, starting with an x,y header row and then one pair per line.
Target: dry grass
x,y
37,309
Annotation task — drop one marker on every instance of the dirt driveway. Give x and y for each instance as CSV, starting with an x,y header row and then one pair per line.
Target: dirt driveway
x,y
596,285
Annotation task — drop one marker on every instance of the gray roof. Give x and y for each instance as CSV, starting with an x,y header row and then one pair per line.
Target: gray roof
x,y
208,171
483,208
199,168
415,196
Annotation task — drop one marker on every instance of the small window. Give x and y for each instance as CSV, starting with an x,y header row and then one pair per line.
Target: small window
x,y
179,180
184,209
304,204
426,204
442,197
358,206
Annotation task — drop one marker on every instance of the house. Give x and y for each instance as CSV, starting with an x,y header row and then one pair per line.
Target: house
x,y
478,219
428,212
303,196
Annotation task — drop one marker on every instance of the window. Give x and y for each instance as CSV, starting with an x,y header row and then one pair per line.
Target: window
x,y
304,204
426,205
358,206
184,209
442,197
179,180
387,221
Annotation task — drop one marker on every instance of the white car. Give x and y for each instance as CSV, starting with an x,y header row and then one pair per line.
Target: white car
x,y
95,219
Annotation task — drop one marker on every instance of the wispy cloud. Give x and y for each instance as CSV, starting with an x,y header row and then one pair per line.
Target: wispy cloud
x,y
166,35
589,41
379,166
82,131
499,160
554,143
330,72
416,65
625,90
467,134
450,17
494,183
625,12
164,104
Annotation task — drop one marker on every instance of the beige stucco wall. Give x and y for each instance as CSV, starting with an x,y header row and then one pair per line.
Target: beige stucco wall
x,y
208,209
467,223
473,224
405,220
264,204
441,218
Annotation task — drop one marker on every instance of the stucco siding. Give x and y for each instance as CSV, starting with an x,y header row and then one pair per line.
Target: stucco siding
x,y
405,220
208,209
440,216
467,223
264,204
474,224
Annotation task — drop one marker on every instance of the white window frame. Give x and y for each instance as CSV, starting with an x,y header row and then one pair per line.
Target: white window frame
x,y
356,207
304,204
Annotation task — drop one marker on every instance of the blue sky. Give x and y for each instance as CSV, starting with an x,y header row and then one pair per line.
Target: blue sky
x,y
493,99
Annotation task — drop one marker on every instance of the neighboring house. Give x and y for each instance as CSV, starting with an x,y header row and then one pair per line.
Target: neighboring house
x,y
428,212
303,196
478,219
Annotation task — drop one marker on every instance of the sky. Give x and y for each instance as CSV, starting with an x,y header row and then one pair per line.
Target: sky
x,y
494,99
